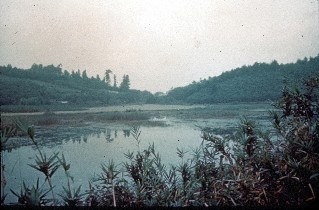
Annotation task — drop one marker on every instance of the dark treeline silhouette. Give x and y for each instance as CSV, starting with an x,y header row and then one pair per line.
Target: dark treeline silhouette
x,y
256,83
41,85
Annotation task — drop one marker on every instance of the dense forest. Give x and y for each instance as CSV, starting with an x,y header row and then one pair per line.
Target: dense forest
x,y
259,82
41,85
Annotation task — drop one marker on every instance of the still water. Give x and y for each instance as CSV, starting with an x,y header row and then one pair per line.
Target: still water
x,y
87,147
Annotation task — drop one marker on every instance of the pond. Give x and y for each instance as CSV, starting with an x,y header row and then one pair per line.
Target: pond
x,y
87,147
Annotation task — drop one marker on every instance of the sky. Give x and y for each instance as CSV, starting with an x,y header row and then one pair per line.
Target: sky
x,y
160,44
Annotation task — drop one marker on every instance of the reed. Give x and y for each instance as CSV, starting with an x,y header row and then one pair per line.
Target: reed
x,y
251,167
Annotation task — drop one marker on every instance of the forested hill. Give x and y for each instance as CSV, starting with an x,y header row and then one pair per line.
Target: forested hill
x,y
51,85
259,82
41,85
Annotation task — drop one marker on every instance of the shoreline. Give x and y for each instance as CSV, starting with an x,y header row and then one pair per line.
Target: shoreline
x,y
123,108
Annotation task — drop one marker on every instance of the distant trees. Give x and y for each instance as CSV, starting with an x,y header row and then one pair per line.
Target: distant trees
x,y
76,75
84,75
46,84
125,84
115,82
107,77
258,82
66,73
49,84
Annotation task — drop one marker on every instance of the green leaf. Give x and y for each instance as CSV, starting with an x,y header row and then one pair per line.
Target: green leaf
x,y
76,194
54,170
67,192
52,158
35,167
14,193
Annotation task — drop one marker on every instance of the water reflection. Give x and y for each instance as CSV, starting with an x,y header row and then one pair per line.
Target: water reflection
x,y
108,135
85,148
126,133
53,136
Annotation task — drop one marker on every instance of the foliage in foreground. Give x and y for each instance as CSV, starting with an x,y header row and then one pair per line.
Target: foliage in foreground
x,y
250,168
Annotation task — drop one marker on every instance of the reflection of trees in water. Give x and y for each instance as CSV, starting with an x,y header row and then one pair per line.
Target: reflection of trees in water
x,y
55,136
85,138
108,135
76,139
126,133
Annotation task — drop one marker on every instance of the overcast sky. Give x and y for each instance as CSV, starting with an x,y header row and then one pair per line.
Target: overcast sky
x,y
159,43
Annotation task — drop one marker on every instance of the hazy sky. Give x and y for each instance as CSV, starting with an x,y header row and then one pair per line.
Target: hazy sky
x,y
159,43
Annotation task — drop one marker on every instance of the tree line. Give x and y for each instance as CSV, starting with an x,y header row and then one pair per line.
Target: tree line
x,y
55,74
50,84
256,83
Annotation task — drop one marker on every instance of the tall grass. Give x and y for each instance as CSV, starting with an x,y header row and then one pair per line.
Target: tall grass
x,y
249,168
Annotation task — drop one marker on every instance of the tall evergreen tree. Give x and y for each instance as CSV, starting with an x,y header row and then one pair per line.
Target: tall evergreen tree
x,y
115,82
84,75
108,77
125,84
98,77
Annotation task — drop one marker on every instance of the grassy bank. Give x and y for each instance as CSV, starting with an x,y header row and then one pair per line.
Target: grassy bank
x,y
41,108
78,119
220,111
226,110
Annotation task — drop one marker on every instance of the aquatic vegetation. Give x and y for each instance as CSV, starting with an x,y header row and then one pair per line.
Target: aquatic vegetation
x,y
4,138
47,165
35,196
251,167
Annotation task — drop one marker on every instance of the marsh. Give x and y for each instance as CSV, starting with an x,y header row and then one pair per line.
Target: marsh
x,y
92,137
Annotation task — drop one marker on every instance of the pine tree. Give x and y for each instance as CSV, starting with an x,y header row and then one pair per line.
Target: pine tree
x,y
115,82
125,85
107,77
